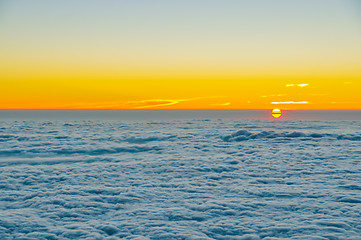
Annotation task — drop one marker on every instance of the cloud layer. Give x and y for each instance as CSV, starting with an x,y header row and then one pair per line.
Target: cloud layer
x,y
191,179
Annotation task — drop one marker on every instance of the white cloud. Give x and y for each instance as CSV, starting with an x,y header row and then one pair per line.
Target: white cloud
x,y
291,102
297,85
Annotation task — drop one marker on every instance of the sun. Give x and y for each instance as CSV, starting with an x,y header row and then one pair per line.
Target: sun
x,y
276,113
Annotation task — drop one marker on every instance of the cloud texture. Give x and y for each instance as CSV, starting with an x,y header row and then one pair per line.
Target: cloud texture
x,y
200,179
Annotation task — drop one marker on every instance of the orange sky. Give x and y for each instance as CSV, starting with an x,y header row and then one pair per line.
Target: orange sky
x,y
180,94
243,55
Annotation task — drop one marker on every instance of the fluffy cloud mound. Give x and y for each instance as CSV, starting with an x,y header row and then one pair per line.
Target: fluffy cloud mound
x,y
244,135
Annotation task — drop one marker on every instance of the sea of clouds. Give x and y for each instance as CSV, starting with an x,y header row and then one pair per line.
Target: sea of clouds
x,y
199,179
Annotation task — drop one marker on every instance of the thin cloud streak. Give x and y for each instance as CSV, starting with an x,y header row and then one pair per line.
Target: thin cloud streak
x,y
221,104
150,103
297,85
273,95
161,102
291,102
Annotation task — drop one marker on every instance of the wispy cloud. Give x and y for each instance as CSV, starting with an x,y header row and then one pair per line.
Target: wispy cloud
x,y
297,85
137,104
151,103
100,105
291,102
221,104
345,102
154,103
273,95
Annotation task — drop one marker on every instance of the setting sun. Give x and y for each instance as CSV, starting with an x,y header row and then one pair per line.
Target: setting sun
x,y
276,113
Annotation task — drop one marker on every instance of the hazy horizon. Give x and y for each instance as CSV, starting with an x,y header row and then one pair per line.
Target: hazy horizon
x,y
175,114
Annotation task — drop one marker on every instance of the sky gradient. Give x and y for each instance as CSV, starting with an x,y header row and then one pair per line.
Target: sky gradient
x,y
199,54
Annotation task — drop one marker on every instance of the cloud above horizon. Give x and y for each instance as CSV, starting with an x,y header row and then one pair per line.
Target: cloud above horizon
x,y
297,85
291,102
221,104
155,102
151,103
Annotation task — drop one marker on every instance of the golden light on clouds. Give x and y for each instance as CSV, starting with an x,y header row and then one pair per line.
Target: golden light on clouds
x,y
221,104
153,103
160,103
